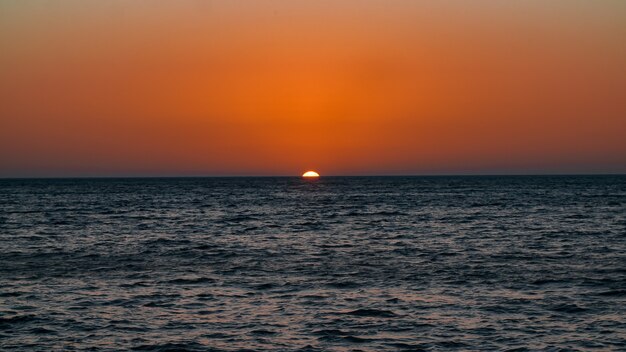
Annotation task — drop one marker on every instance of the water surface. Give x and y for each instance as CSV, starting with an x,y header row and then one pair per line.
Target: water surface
x,y
341,263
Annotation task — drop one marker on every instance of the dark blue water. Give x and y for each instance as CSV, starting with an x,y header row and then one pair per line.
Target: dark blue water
x,y
371,264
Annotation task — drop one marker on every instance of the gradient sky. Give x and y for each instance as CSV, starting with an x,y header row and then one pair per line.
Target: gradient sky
x,y
112,88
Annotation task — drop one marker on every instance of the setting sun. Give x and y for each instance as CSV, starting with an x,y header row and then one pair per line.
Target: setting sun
x,y
310,174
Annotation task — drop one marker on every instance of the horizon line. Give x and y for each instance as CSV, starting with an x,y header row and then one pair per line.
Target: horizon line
x,y
299,176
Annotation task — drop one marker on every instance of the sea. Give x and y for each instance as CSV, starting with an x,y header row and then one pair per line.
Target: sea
x,y
472,263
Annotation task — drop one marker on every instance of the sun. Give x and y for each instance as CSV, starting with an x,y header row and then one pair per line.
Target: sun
x,y
310,174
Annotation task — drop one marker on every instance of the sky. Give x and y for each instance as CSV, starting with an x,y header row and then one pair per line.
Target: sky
x,y
277,87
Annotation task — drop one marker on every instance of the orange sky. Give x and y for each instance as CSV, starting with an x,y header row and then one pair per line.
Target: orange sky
x,y
108,88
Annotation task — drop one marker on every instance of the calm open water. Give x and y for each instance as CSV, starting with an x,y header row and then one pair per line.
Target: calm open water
x,y
345,263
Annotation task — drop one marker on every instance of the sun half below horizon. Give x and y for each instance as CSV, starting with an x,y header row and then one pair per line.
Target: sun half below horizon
x,y
212,88
310,174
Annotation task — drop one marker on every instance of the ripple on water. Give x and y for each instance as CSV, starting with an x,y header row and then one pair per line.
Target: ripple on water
x,y
369,264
